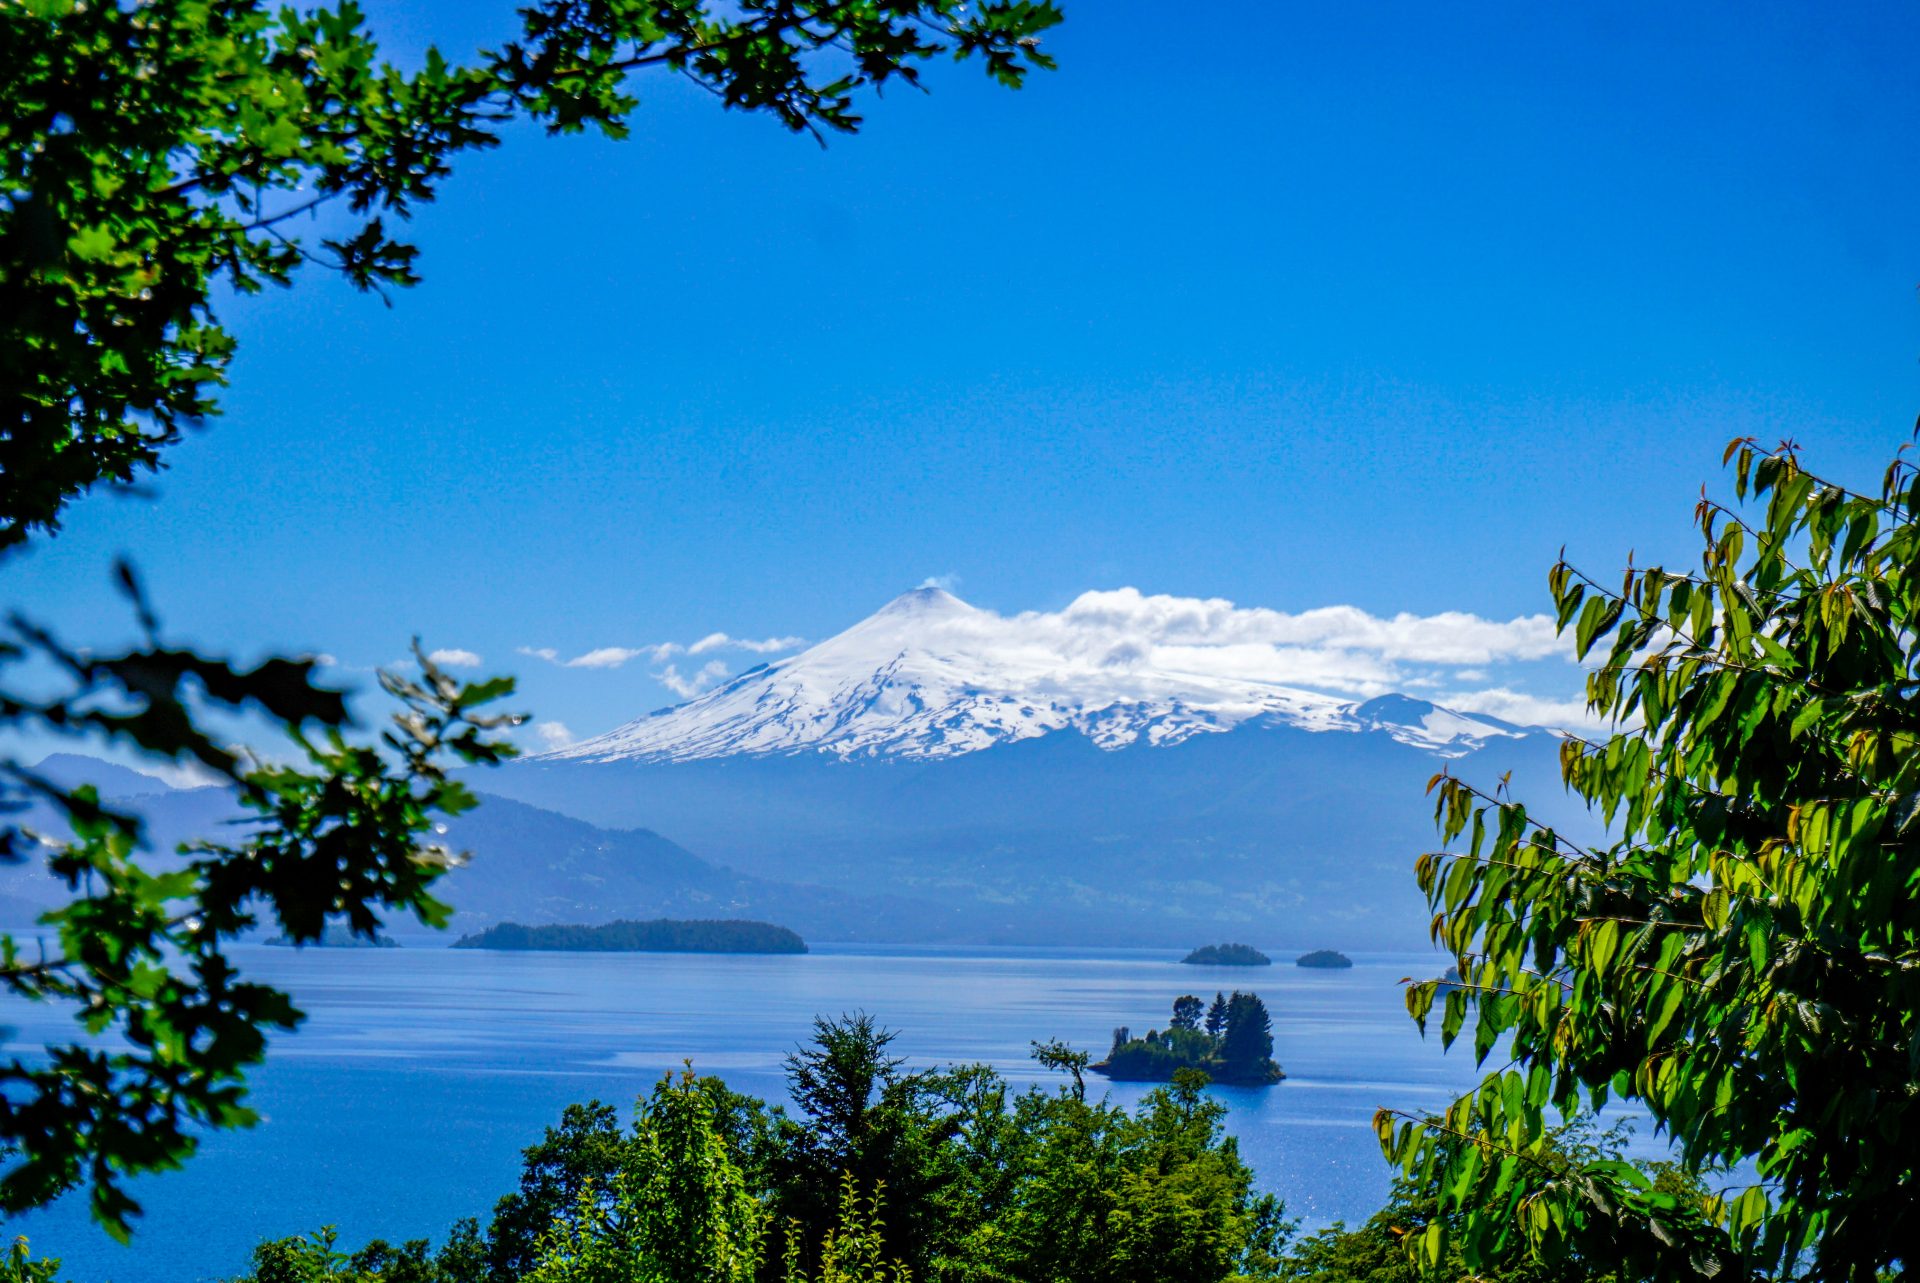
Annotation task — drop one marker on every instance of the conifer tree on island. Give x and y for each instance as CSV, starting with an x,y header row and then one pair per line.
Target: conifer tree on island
x,y
1217,1015
1236,1046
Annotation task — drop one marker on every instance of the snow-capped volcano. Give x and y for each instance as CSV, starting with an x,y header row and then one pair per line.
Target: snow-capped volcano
x,y
930,676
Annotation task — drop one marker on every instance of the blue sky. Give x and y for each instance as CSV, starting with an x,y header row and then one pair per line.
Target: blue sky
x,y
1299,306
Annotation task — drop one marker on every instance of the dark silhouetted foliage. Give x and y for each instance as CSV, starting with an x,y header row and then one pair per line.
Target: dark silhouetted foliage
x,y
156,159
159,156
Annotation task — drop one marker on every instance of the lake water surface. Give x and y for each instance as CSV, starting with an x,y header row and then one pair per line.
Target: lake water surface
x,y
404,1101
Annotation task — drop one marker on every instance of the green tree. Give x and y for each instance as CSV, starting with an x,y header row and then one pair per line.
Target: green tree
x,y
21,1267
1742,958
410,1262
1186,1012
1043,1185
156,156
866,1117
698,1220
1184,1209
1376,1251
586,1151
839,1079
305,1258
1054,1054
854,1248
1099,1195
318,1258
685,1133
1217,1015
678,1209
1246,1045
593,1242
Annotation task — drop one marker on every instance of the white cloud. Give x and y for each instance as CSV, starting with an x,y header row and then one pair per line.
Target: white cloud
x,y
1451,637
1339,649
1344,670
1336,649
1456,658
611,656
660,652
601,657
1527,710
554,735
453,657
688,687
182,775
765,646
948,582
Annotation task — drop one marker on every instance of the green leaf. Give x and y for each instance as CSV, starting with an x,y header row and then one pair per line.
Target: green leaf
x,y
91,244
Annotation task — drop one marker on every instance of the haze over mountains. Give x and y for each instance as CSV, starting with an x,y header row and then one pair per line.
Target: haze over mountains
x,y
1042,779
940,773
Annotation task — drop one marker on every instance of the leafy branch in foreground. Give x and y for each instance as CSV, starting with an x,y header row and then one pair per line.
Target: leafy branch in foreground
x,y
154,154
1743,959
1376,1250
139,951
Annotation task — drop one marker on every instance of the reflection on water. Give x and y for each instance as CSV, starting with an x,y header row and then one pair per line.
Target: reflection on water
x,y
404,1101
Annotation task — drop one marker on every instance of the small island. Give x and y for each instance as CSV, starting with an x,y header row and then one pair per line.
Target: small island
x,y
1329,959
1232,1043
658,935
1227,955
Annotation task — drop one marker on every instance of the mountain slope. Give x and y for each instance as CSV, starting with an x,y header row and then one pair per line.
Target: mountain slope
x,y
528,865
1306,839
929,676
536,866
1042,778
71,770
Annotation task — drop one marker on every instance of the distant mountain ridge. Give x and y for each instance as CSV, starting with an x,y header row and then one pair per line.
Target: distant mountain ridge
x,y
71,770
528,865
1297,837
929,676
942,774
1045,778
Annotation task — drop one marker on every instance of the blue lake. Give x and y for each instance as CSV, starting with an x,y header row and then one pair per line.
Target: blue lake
x,y
404,1101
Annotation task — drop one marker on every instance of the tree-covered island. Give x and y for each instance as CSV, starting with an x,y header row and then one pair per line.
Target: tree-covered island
x,y
657,935
1326,959
1231,1043
1227,955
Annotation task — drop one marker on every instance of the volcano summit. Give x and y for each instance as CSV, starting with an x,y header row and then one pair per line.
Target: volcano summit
x,y
1128,770
929,676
